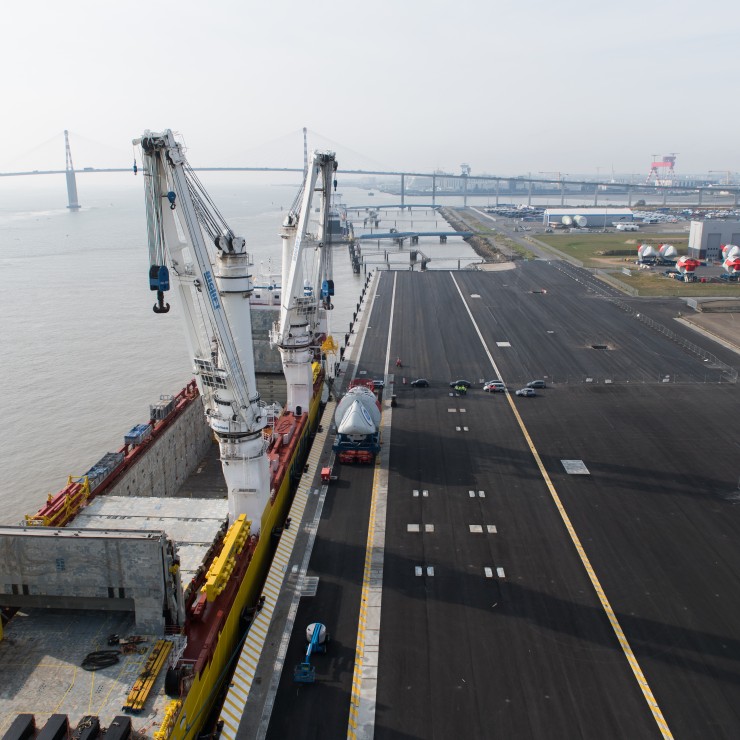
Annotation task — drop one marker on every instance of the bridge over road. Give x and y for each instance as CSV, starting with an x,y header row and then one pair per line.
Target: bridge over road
x,y
400,236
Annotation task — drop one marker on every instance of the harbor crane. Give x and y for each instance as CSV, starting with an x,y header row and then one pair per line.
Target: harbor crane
x,y
210,265
307,285
726,173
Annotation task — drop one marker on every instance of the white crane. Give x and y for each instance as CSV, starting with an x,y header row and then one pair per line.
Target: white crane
x,y
306,295
210,266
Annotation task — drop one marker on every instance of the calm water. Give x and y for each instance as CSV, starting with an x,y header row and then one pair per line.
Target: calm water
x,y
83,355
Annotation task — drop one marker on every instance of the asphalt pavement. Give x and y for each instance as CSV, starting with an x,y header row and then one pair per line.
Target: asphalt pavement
x,y
520,599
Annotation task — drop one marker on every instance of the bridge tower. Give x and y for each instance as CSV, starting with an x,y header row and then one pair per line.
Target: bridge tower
x,y
70,173
305,151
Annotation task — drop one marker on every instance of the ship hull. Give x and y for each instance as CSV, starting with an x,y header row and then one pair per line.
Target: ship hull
x,y
203,692
207,635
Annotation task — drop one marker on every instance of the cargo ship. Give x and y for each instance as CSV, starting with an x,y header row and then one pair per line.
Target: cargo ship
x,y
126,596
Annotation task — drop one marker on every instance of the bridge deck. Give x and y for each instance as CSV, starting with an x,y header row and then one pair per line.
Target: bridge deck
x,y
408,234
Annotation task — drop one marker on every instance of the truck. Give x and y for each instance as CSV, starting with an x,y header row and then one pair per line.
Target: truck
x,y
357,419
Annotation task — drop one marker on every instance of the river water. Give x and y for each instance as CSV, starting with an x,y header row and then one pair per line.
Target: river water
x,y
83,355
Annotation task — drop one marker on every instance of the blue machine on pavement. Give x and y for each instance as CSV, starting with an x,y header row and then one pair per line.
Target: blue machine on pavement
x,y
317,637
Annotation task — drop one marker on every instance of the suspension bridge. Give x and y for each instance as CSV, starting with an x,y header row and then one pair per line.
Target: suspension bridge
x,y
436,184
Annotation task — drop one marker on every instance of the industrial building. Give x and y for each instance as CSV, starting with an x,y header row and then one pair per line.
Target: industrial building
x,y
706,238
595,217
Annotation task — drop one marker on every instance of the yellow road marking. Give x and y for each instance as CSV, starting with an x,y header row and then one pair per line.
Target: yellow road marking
x,y
360,647
623,642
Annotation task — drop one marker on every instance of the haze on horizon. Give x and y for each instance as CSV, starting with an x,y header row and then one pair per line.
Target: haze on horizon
x,y
509,88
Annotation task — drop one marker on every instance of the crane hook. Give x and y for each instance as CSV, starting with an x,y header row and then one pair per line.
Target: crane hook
x,y
171,198
160,306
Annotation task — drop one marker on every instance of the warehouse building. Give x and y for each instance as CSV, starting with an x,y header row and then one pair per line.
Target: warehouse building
x,y
706,238
591,218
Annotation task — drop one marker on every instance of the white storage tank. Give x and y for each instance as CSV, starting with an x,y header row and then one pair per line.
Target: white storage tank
x,y
646,251
580,221
668,252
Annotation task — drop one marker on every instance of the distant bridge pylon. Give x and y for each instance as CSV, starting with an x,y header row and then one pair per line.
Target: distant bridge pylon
x,y
69,170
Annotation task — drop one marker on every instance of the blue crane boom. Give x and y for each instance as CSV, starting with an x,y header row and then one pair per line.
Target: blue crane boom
x,y
304,672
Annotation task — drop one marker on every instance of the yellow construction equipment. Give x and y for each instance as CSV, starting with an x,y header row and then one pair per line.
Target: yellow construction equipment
x,y
220,570
144,683
168,720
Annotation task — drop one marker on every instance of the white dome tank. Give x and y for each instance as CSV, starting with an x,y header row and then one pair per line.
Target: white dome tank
x,y
730,251
732,265
645,251
566,221
580,221
668,251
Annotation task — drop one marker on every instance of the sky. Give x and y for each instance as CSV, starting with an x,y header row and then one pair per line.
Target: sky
x,y
516,87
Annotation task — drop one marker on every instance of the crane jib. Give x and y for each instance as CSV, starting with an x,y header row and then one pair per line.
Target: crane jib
x,y
212,290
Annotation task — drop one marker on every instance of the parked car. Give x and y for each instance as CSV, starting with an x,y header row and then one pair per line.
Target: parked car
x,y
420,383
466,383
495,386
379,383
526,392
536,384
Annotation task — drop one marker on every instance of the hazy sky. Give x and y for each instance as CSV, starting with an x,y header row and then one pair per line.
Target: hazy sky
x,y
508,87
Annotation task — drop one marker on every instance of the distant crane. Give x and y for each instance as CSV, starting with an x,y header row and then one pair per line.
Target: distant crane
x,y
726,173
662,170
69,168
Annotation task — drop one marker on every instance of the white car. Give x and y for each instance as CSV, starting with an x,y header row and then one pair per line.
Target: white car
x,y
526,392
495,386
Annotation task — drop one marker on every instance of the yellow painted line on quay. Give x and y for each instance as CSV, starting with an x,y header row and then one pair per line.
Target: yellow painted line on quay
x,y
361,722
623,642
612,617
362,621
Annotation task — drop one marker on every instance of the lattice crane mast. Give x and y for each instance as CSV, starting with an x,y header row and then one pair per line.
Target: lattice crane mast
x,y
306,292
210,266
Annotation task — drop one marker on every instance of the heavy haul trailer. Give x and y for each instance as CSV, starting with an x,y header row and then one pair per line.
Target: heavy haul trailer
x,y
358,424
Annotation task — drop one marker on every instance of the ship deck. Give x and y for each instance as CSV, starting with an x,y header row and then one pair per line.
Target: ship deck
x,y
42,650
559,566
